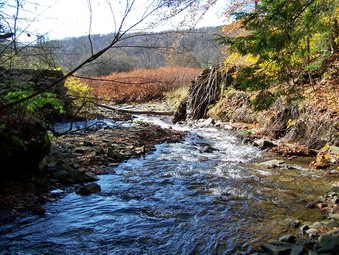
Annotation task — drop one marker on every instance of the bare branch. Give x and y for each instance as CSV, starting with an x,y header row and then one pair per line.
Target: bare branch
x,y
90,25
147,81
6,36
15,26
118,36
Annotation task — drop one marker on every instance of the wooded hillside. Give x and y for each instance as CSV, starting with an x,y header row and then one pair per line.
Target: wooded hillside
x,y
194,49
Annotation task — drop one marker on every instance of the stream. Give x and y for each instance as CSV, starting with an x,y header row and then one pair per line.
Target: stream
x,y
205,195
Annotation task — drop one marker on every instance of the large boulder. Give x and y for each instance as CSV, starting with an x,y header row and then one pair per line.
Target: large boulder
x,y
23,147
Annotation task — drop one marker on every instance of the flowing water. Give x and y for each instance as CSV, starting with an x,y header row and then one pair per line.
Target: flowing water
x,y
181,199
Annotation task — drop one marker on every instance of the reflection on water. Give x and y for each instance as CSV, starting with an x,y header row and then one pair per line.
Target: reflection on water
x,y
95,124
177,200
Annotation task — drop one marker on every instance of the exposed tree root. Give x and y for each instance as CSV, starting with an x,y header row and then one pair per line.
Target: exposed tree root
x,y
204,92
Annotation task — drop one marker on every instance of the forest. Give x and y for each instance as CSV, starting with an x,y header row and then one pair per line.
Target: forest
x,y
209,140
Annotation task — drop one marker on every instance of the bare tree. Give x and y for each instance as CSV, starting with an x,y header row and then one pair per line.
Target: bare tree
x,y
124,21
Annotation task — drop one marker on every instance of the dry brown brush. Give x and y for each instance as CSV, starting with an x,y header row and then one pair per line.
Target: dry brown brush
x,y
140,85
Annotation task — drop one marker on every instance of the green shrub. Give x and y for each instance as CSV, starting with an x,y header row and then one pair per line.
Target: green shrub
x,y
34,105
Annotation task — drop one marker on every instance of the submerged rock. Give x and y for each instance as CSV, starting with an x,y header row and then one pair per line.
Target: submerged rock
x,y
39,211
273,163
278,247
88,189
89,177
207,149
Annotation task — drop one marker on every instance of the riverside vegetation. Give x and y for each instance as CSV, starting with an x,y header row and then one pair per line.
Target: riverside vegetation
x,y
277,89
78,157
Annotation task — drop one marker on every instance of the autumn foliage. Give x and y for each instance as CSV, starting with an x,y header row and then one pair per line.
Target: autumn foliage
x,y
140,85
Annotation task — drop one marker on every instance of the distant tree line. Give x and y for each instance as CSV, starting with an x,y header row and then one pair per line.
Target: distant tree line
x,y
195,49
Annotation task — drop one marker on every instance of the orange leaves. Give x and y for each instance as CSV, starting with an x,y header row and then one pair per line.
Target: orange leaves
x,y
290,150
325,158
323,95
141,85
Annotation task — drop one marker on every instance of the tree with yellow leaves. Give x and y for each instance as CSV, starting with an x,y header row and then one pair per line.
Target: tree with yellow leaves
x,y
283,39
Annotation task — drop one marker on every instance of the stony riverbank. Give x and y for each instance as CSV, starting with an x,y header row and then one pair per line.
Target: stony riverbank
x,y
76,158
316,238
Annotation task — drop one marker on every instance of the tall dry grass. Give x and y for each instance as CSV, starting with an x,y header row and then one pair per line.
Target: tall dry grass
x,y
141,85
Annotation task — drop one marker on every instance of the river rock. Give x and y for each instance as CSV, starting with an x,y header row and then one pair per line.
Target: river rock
x,y
287,238
303,228
75,165
332,224
334,216
115,154
140,150
334,150
128,153
247,140
317,225
76,175
278,247
264,144
205,122
329,243
332,194
89,177
207,149
203,159
81,149
61,174
298,250
273,163
292,223
312,232
56,192
39,211
43,165
335,189
307,243
98,150
66,167
88,189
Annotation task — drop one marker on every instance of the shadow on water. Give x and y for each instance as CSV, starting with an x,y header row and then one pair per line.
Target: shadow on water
x,y
182,199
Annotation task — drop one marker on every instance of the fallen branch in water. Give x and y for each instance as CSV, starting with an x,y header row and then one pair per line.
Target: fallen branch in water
x,y
134,111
